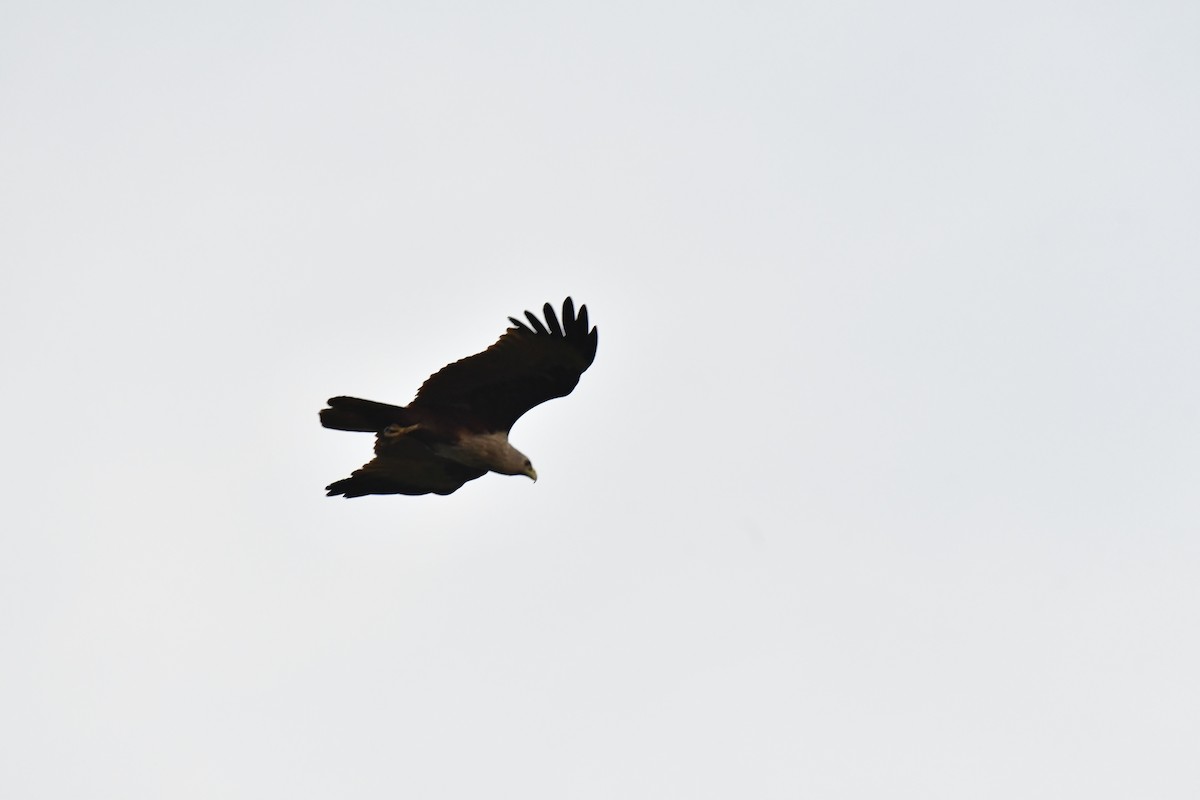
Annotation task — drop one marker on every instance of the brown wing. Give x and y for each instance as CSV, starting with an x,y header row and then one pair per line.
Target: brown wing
x,y
404,465
526,366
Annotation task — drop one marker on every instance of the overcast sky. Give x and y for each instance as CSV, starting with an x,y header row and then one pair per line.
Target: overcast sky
x,y
883,483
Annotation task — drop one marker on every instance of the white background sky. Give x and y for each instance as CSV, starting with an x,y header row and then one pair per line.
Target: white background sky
x,y
883,484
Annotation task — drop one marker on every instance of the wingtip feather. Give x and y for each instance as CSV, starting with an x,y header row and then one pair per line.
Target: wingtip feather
x,y
552,320
538,327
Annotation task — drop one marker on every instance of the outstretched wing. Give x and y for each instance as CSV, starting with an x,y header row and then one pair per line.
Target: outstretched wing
x,y
404,465
526,366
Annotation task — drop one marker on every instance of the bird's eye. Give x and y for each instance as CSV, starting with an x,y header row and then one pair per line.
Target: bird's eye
x,y
527,463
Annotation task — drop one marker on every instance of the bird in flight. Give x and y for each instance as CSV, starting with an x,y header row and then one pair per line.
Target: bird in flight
x,y
456,429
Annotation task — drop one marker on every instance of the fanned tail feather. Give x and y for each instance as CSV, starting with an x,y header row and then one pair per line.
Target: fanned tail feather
x,y
360,486
354,414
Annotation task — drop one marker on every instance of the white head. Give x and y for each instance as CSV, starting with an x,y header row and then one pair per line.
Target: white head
x,y
492,451
515,463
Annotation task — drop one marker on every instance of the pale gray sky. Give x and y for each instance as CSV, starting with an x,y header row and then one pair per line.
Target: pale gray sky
x,y
883,483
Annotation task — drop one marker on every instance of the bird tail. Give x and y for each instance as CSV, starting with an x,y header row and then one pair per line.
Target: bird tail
x,y
353,414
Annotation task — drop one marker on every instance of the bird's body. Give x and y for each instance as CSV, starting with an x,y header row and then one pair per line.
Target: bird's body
x,y
457,428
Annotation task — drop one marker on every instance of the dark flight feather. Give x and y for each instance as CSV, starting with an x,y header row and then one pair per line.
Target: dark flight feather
x,y
523,369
